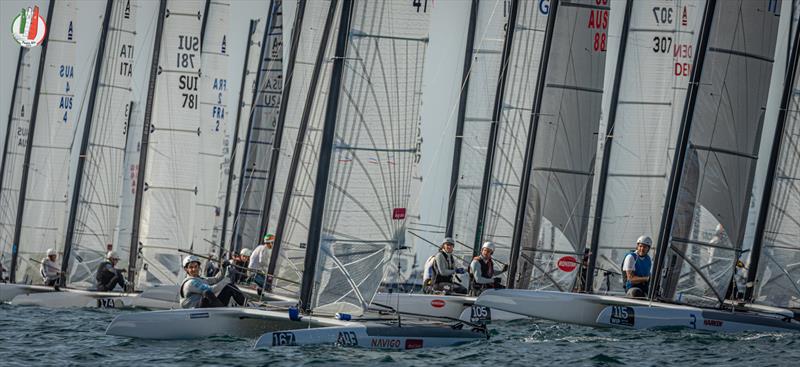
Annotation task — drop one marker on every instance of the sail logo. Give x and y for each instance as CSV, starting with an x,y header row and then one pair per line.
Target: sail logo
x,y
29,28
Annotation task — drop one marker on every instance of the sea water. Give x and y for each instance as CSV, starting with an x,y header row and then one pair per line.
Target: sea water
x,y
34,336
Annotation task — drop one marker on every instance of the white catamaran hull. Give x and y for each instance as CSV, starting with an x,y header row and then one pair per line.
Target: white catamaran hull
x,y
10,290
642,317
574,308
67,298
206,322
373,336
451,307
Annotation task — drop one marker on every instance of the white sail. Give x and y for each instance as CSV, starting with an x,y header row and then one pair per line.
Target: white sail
x,y
258,144
513,126
45,203
725,129
373,153
214,118
556,213
487,54
778,278
294,233
11,161
102,178
659,55
170,172
235,157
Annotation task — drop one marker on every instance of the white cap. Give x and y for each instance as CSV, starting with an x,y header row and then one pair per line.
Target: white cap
x,y
112,255
489,245
51,252
645,241
245,252
190,259
448,240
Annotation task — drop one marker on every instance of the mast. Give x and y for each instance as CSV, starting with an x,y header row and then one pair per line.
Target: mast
x,y
10,116
612,115
788,86
516,241
76,191
301,136
236,244
276,143
326,147
235,139
462,110
203,26
28,149
680,150
498,111
137,206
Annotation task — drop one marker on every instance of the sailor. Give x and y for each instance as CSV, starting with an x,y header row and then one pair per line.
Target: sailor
x,y
197,292
107,275
211,268
636,268
260,258
482,272
51,272
441,270
240,263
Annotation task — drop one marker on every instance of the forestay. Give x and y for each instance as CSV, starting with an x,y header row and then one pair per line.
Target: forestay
x,y
373,153
45,203
480,89
11,161
659,54
97,211
556,211
725,128
170,173
214,113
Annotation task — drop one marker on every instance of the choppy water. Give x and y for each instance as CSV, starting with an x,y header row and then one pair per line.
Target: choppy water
x,y
33,336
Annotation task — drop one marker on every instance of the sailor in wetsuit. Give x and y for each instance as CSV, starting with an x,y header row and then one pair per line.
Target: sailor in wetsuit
x,y
107,276
482,273
441,270
196,292
636,268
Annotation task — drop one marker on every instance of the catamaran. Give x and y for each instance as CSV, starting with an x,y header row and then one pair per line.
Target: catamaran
x,y
710,167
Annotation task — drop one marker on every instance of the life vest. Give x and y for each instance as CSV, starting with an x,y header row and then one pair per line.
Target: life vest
x,y
102,275
450,264
180,291
641,268
487,270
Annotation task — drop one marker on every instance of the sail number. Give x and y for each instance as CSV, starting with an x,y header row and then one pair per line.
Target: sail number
x,y
663,15
284,338
420,4
347,339
662,44
598,20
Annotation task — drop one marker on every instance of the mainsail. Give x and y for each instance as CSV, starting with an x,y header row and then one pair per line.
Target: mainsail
x,y
555,218
296,172
777,278
94,212
513,116
710,203
167,185
11,161
367,153
260,134
238,134
482,71
214,114
43,200
641,129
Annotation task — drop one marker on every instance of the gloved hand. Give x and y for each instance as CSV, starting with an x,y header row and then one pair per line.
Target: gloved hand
x,y
226,263
460,271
